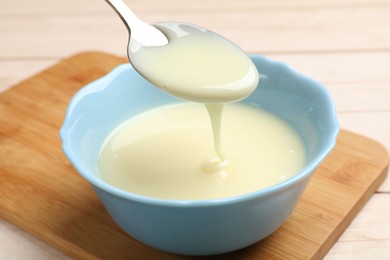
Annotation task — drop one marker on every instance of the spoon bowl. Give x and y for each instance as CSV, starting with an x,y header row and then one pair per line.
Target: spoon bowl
x,y
197,65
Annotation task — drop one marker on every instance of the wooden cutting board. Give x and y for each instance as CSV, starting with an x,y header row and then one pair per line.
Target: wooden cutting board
x,y
42,193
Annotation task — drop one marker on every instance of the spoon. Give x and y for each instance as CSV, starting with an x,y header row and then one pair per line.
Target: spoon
x,y
140,33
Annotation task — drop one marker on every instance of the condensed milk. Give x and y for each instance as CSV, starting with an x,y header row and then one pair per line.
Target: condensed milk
x,y
162,153
168,152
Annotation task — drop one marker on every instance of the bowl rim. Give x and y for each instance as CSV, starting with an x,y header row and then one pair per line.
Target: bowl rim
x,y
99,183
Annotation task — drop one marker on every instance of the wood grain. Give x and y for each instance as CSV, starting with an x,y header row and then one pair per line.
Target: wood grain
x,y
43,194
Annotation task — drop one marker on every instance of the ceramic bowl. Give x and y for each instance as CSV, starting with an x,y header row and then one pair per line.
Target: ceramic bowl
x,y
203,227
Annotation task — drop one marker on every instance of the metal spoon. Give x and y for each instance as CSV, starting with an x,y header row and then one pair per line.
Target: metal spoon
x,y
140,33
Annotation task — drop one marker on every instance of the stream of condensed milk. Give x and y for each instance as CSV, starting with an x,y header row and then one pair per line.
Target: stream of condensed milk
x,y
166,152
201,66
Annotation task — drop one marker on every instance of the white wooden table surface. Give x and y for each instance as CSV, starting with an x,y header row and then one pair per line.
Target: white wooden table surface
x,y
345,44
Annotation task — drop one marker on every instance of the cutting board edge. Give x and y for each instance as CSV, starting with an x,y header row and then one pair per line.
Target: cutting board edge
x,y
357,207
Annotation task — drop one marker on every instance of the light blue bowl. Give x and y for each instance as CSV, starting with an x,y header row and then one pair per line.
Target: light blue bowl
x,y
203,227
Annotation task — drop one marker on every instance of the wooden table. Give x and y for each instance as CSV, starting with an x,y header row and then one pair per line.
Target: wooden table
x,y
345,44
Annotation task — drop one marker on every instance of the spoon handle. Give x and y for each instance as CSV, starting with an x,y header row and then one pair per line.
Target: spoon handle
x,y
124,12
139,31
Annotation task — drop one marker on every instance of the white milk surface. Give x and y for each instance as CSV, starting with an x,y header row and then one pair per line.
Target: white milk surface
x,y
164,153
